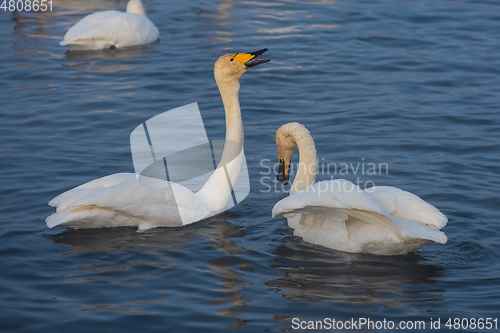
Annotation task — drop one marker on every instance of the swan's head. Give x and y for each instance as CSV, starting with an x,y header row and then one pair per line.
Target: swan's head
x,y
135,6
285,144
232,66
287,137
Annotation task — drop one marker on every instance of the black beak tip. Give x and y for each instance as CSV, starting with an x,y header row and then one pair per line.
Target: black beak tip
x,y
255,61
281,176
282,179
259,52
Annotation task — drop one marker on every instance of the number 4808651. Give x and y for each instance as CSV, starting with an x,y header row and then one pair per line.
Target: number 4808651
x,y
472,323
26,5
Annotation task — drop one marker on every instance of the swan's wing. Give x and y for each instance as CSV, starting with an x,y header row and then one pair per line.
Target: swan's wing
x,y
337,199
338,193
414,231
66,199
340,199
151,202
408,206
98,26
112,28
410,231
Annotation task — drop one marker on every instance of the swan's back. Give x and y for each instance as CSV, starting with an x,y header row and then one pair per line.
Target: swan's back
x,y
110,28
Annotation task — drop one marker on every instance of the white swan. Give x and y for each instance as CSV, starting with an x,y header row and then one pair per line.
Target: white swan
x,y
125,199
339,215
112,28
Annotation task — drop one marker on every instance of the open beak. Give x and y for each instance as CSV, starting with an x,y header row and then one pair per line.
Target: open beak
x,y
283,170
245,58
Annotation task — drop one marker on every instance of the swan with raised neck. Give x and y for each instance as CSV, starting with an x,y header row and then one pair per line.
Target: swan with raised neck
x,y
227,72
122,200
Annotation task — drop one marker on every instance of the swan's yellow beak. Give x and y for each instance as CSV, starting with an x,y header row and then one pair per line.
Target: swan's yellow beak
x,y
245,58
283,171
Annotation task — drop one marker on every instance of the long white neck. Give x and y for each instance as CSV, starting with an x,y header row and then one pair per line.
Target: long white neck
x,y
234,125
135,6
217,190
306,174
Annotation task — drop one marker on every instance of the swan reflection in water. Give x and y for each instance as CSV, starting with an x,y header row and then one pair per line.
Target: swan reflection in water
x,y
363,282
181,259
216,230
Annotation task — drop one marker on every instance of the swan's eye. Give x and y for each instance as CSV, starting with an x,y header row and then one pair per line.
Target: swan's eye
x,y
232,59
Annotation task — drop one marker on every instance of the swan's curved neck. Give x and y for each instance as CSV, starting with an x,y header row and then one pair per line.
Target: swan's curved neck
x,y
306,173
217,190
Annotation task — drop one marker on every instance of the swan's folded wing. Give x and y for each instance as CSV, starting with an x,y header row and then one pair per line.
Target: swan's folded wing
x,y
414,231
338,199
338,193
408,206
66,199
94,26
159,202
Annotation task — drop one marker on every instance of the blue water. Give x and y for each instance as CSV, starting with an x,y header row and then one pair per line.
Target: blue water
x,y
413,84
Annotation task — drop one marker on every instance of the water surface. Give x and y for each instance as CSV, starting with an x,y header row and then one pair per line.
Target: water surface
x,y
412,84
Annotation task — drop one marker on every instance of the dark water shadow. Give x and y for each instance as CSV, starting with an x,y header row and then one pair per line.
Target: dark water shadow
x,y
156,240
315,274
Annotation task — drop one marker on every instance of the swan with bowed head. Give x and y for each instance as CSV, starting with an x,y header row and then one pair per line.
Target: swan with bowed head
x,y
340,215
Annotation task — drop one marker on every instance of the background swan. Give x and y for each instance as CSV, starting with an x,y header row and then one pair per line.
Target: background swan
x,y
127,200
339,215
110,28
